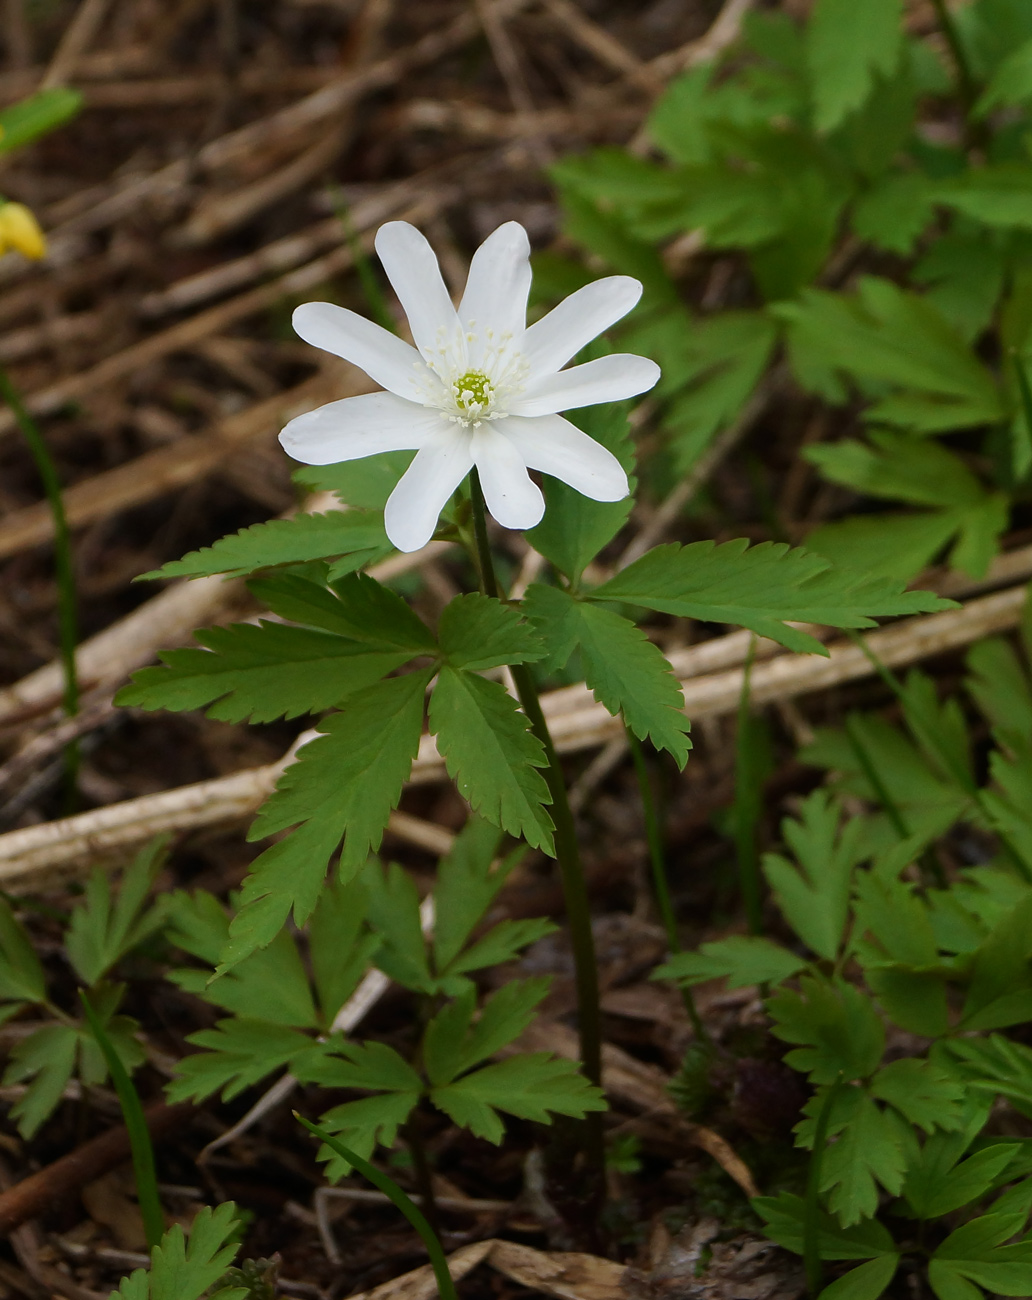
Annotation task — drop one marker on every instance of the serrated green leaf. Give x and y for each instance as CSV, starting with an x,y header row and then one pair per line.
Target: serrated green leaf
x,y
454,1044
21,973
814,895
503,942
869,1147
847,45
271,983
761,588
625,671
338,948
355,606
259,673
46,1058
999,194
184,1272
1011,83
711,367
393,912
973,1253
924,1094
996,1065
741,960
364,1125
1000,992
238,1054
373,1066
867,1282
286,541
785,1216
354,636
999,685
492,755
364,484
466,886
343,784
478,632
936,1185
837,1027
533,1086
99,933
886,337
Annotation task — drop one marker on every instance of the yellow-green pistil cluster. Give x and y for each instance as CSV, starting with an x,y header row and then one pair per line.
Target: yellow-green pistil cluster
x,y
474,393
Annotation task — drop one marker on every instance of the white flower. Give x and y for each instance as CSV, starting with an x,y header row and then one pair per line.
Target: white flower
x,y
479,388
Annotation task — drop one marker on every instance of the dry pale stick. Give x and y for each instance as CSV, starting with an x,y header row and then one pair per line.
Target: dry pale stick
x,y
77,36
26,853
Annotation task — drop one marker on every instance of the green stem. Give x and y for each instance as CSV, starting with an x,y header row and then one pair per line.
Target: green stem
x,y
567,855
421,1167
139,1135
812,1206
390,1189
657,857
745,821
488,581
68,623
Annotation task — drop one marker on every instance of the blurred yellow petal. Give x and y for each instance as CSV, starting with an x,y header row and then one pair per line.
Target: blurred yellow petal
x,y
19,229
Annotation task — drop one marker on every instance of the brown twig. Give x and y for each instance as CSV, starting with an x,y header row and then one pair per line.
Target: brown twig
x,y
39,1191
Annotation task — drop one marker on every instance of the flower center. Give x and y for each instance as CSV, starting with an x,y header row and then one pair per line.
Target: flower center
x,y
473,393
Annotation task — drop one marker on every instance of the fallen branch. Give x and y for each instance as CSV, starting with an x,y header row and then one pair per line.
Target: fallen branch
x,y
577,724
40,1190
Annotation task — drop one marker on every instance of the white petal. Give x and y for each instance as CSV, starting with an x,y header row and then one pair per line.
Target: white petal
x,y
609,379
382,355
557,447
358,426
511,494
497,288
437,469
412,269
550,342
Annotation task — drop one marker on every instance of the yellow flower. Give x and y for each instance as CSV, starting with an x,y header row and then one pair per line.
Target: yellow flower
x,y
20,230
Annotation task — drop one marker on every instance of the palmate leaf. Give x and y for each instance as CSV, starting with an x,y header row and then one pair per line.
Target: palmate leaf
x,y
871,1146
532,1086
847,46
238,1054
181,1271
885,336
491,754
814,895
271,984
1000,991
344,784
836,1027
355,634
286,541
47,1060
453,1044
922,1092
974,1256
466,887
479,632
626,672
393,911
785,1216
101,933
761,588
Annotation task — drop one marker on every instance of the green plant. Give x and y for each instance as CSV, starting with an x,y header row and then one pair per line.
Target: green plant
x,y
101,931
805,157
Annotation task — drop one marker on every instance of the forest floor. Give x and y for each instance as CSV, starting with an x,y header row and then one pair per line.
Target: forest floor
x,y
193,203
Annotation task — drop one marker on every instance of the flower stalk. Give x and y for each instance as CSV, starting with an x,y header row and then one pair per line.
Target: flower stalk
x,y
68,622
567,853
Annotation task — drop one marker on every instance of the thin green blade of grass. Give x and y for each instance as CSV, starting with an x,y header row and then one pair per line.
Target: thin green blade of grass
x,y
401,1202
139,1135
68,621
